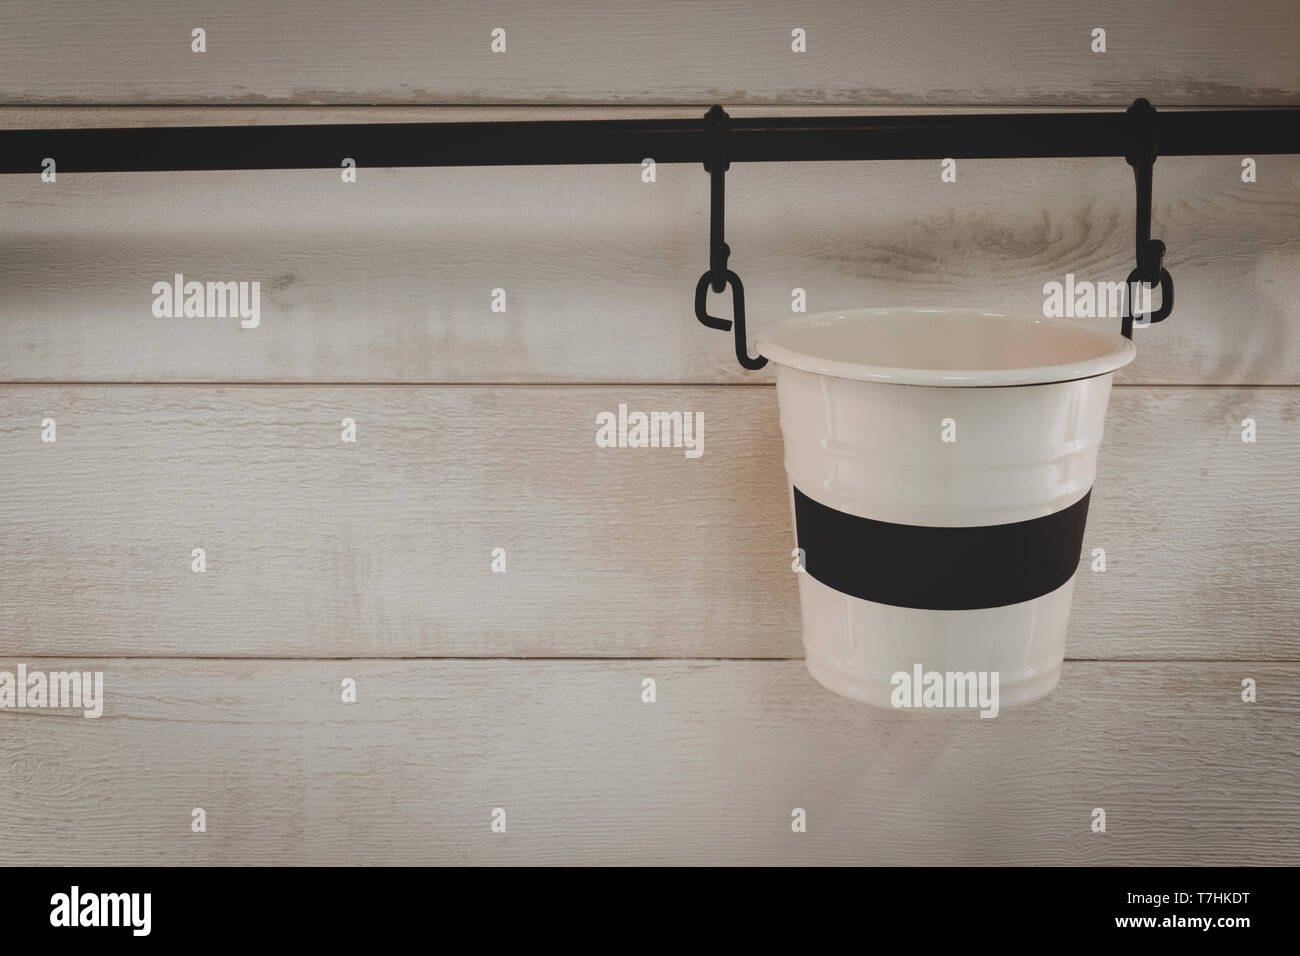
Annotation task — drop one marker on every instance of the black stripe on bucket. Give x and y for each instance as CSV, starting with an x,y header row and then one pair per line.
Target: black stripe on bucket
x,y
939,569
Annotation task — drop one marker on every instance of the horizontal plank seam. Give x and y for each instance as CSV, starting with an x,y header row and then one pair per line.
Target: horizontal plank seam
x,y
216,104
589,660
248,383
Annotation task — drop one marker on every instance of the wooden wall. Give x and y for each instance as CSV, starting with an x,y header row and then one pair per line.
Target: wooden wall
x,y
475,429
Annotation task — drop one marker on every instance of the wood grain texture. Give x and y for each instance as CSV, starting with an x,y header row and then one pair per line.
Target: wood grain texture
x,y
587,773
317,548
389,279
673,51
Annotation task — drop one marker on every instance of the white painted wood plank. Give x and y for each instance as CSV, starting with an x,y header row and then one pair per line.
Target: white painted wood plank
x,y
390,279
317,548
881,51
587,773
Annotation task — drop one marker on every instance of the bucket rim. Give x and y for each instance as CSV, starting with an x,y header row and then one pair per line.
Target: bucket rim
x,y
1115,351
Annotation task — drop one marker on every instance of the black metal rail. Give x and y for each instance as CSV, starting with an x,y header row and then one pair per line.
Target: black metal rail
x,y
582,142
717,142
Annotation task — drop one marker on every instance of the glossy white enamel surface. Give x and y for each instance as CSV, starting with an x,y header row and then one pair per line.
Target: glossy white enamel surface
x,y
854,646
961,347
875,449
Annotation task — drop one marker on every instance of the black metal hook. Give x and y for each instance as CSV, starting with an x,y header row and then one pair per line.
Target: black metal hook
x,y
716,163
737,310
1141,155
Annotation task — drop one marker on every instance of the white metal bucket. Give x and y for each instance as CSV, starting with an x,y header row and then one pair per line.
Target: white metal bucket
x,y
940,463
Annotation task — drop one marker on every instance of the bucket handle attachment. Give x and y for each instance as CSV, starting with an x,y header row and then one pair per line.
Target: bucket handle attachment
x,y
1141,155
724,325
719,276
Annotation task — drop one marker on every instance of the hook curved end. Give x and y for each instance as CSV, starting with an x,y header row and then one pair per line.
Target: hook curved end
x,y
727,325
1166,282
702,307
